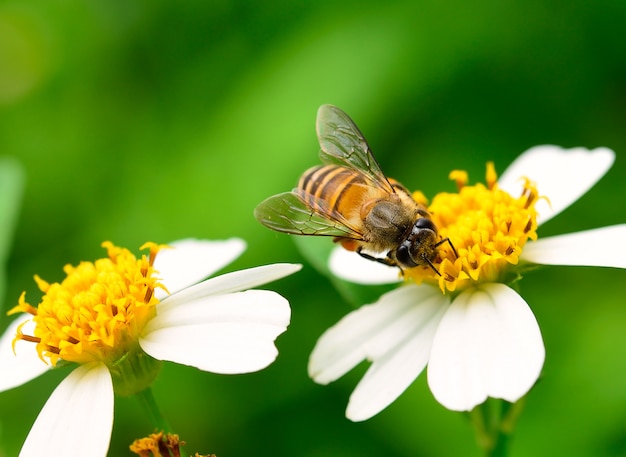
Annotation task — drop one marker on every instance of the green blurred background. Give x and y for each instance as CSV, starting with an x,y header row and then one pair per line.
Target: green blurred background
x,y
155,120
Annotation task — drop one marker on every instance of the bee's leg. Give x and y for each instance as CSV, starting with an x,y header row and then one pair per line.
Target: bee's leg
x,y
384,260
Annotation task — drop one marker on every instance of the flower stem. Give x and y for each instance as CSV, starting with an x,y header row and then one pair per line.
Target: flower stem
x,y
149,405
494,422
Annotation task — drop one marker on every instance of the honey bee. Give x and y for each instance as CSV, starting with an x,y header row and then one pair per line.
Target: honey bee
x,y
350,199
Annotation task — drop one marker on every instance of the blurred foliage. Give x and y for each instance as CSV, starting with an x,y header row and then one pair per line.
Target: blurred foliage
x,y
155,120
11,185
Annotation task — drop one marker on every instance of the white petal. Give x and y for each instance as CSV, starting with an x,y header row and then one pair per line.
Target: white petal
x,y
229,333
561,175
350,266
77,418
230,282
23,365
602,247
393,372
488,344
190,261
395,333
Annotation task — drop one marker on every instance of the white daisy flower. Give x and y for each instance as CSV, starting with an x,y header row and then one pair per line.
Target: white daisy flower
x,y
120,316
477,335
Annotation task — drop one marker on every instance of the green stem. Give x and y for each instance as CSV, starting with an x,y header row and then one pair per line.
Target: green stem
x,y
146,398
149,405
494,422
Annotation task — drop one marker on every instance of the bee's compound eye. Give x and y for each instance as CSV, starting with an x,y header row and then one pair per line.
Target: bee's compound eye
x,y
425,223
403,256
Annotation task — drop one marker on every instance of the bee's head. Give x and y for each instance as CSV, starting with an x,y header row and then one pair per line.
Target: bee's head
x,y
420,246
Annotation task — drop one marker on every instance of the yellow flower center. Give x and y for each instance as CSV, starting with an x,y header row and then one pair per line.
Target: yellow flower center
x,y
97,312
488,228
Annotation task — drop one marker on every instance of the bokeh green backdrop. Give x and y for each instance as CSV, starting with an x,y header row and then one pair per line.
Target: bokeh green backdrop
x,y
156,120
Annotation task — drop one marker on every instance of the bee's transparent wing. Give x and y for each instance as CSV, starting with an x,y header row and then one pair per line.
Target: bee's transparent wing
x,y
288,213
343,144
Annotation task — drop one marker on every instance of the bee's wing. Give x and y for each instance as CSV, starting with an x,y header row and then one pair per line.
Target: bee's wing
x,y
288,213
343,144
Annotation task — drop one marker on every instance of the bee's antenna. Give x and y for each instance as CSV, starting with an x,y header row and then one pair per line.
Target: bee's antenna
x,y
430,264
447,240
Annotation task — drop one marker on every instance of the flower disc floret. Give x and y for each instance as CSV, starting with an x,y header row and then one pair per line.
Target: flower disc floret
x,y
97,312
488,228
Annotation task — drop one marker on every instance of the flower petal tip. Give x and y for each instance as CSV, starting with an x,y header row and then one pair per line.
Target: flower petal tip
x,y
487,345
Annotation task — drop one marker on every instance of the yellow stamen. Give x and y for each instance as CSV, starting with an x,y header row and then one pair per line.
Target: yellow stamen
x,y
492,177
43,285
487,226
97,312
420,198
22,307
459,177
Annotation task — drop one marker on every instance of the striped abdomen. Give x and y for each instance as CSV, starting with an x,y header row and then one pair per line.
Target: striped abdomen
x,y
341,190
